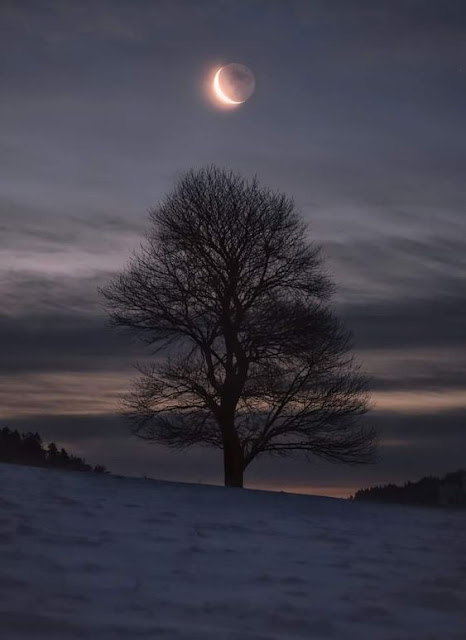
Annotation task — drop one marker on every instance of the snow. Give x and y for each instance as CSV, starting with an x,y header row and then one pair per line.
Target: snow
x,y
104,557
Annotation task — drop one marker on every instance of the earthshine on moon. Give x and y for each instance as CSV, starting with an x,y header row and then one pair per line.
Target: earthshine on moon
x,y
233,84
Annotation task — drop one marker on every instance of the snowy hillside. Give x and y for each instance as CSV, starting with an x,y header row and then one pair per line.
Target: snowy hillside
x,y
86,556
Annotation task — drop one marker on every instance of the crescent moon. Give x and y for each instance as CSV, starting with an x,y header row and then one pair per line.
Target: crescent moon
x,y
220,94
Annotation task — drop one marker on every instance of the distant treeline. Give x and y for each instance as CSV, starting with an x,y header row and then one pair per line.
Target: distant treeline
x,y
449,490
28,448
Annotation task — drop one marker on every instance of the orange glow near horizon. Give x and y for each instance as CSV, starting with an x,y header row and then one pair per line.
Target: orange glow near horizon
x,y
422,401
325,492
75,392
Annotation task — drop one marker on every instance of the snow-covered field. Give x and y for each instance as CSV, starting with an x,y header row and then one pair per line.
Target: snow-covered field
x,y
102,557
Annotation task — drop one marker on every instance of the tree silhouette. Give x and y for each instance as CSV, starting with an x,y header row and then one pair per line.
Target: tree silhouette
x,y
448,490
53,456
233,299
28,449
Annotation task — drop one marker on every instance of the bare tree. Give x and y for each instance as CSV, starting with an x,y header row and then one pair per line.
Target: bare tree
x,y
233,300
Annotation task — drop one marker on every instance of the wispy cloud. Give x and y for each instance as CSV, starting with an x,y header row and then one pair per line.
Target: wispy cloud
x,y
61,394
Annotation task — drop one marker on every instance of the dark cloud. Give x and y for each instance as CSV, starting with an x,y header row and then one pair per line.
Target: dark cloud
x,y
434,322
394,342
425,430
31,295
71,343
427,374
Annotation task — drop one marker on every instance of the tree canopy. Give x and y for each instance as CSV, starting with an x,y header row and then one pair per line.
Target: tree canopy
x,y
233,300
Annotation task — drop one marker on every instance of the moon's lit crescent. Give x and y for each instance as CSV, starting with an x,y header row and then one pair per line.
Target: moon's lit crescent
x,y
219,92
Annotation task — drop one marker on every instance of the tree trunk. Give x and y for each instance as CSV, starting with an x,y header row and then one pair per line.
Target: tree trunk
x,y
233,464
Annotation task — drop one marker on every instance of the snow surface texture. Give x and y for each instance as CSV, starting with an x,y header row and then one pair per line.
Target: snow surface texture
x,y
102,557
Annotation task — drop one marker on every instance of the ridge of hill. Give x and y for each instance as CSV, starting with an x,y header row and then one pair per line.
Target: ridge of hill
x,y
100,556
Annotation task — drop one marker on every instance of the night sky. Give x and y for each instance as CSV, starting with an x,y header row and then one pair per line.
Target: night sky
x,y
359,114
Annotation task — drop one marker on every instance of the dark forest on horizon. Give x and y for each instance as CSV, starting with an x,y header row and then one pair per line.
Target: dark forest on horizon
x,y
29,449
449,490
